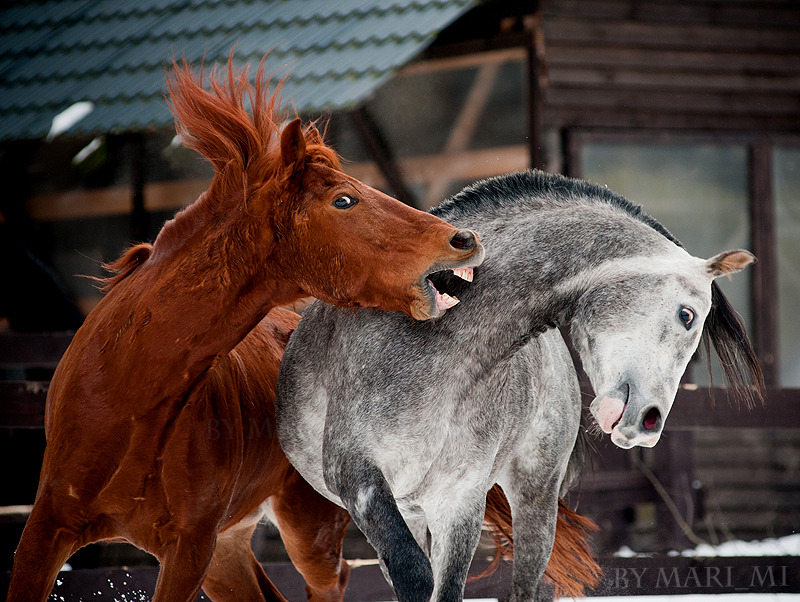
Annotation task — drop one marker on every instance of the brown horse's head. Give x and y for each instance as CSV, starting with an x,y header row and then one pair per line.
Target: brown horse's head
x,y
352,245
322,232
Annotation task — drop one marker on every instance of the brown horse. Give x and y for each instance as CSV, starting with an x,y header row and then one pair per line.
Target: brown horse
x,y
157,434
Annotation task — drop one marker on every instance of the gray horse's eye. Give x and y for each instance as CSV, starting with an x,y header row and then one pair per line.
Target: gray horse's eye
x,y
345,202
686,316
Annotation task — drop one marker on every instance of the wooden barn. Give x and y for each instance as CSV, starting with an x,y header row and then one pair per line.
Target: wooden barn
x,y
690,108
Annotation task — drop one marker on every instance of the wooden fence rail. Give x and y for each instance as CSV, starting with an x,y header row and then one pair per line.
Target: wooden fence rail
x,y
23,407
622,577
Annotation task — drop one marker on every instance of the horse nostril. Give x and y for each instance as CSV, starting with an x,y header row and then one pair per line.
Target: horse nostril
x,y
464,240
651,419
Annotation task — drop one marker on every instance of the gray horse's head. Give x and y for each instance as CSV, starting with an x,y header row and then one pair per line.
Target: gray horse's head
x,y
636,327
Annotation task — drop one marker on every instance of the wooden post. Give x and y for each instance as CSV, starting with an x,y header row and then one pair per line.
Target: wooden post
x,y
674,470
764,273
381,153
535,48
139,217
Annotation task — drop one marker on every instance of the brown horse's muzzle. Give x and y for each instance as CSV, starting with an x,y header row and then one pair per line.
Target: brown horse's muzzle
x,y
466,252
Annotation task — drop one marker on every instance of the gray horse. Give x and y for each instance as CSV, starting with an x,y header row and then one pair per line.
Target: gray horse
x,y
409,424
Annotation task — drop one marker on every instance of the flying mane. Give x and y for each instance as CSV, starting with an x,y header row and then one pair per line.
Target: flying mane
x,y
243,146
533,190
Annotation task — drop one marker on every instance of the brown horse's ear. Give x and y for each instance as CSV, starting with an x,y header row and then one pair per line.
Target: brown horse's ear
x,y
293,146
729,262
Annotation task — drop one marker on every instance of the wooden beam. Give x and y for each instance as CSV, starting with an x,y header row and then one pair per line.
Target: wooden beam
x,y
764,274
464,127
690,59
33,350
139,217
638,34
164,196
467,165
115,200
665,575
694,410
620,98
535,90
768,14
22,404
378,149
642,116
673,79
466,61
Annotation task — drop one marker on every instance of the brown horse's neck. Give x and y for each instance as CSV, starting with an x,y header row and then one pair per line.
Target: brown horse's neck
x,y
207,282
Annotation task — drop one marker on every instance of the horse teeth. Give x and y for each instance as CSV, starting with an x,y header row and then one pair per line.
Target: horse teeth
x,y
445,301
464,273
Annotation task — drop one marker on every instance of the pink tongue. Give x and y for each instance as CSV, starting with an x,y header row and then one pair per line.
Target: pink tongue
x,y
609,413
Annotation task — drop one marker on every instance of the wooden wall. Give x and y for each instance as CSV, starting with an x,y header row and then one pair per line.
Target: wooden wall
x,y
694,64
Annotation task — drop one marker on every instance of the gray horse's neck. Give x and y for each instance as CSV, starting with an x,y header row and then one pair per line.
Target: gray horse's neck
x,y
533,246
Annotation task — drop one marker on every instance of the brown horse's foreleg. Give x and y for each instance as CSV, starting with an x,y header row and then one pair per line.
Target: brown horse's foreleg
x,y
184,564
312,529
45,546
234,574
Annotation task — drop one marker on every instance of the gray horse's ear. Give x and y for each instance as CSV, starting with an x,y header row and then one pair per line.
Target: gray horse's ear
x,y
729,262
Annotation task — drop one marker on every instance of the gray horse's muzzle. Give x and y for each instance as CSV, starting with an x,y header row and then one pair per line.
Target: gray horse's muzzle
x,y
629,423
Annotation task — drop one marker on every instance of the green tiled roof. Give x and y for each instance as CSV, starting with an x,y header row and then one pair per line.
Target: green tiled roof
x,y
57,53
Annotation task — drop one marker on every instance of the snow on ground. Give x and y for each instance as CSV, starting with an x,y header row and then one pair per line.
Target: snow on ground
x,y
780,546
677,598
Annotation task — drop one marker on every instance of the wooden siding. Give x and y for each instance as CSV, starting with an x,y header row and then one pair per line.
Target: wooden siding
x,y
664,64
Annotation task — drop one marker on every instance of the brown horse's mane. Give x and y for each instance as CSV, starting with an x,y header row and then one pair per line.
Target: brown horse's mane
x,y
243,146
124,266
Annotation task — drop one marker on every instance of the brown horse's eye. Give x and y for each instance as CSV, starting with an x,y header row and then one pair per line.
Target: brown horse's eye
x,y
686,316
345,202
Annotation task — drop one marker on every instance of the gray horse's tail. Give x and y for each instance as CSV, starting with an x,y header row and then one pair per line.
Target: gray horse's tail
x,y
572,567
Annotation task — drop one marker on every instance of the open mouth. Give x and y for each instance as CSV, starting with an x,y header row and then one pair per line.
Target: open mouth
x,y
443,300
440,300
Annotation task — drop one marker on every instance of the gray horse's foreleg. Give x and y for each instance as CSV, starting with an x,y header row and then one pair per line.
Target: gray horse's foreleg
x,y
535,512
367,496
454,538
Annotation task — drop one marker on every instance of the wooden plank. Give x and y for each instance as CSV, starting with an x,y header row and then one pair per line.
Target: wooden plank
x,y
464,61
776,14
600,491
621,98
22,404
776,63
644,117
627,33
33,350
23,407
650,79
466,165
693,410
622,577
115,200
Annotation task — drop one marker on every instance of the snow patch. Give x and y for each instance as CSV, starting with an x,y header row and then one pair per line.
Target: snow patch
x,y
781,546
777,546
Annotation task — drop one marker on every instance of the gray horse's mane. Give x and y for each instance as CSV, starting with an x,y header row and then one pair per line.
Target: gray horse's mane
x,y
536,190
